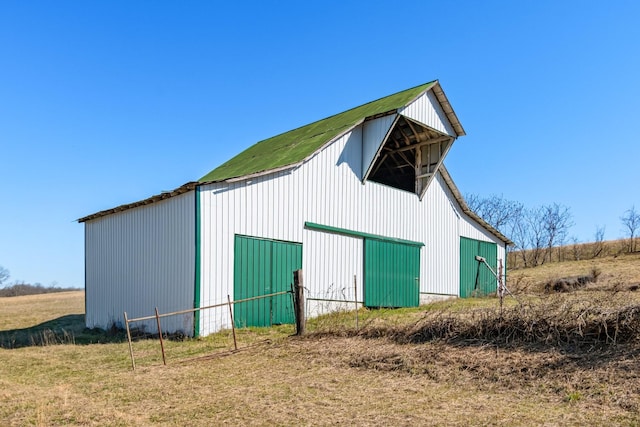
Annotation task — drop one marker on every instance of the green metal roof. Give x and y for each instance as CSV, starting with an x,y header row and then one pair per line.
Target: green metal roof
x,y
296,145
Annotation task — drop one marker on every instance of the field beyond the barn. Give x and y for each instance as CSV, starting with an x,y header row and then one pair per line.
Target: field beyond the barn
x,y
570,358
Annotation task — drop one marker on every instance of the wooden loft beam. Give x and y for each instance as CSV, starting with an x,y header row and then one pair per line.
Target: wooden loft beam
x,y
420,144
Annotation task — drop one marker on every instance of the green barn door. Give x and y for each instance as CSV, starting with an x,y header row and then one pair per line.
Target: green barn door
x,y
251,277
391,274
285,259
263,267
475,277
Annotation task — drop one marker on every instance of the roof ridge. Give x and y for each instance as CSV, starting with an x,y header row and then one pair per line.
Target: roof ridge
x,y
347,111
295,145
374,101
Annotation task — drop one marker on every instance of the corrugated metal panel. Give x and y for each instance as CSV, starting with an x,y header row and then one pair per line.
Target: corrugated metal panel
x,y
440,268
140,259
391,274
286,257
475,278
374,133
330,263
252,276
426,110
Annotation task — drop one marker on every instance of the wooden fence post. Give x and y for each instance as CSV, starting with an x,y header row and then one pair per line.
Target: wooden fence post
x,y
126,322
164,359
501,286
233,325
298,300
355,297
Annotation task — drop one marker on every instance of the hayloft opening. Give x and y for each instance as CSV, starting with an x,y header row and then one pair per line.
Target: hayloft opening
x,y
410,156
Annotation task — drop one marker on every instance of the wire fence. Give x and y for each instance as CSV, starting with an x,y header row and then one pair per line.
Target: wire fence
x,y
341,300
158,316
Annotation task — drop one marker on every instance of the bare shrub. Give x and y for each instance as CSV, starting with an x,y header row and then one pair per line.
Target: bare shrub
x,y
631,222
556,322
598,247
573,283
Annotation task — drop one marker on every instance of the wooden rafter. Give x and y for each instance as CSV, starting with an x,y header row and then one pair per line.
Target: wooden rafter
x,y
395,161
413,130
410,171
378,164
420,144
395,140
406,139
401,154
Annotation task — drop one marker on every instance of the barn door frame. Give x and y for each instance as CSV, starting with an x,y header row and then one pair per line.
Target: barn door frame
x,y
391,274
386,241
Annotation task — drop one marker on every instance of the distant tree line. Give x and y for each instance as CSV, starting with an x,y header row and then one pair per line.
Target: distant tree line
x,y
534,231
21,288
541,234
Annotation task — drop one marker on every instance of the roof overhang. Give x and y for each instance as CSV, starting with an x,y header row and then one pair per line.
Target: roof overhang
x,y
149,200
448,110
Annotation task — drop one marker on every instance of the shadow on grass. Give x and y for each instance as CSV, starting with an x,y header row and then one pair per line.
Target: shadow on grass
x,y
69,329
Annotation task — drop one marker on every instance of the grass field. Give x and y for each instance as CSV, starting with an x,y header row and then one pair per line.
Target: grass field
x,y
380,375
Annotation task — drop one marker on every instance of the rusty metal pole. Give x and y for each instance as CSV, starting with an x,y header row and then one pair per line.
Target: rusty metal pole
x,y
233,326
126,322
164,360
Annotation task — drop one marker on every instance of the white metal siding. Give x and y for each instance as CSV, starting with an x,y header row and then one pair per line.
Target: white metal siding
x,y
330,262
442,251
140,259
373,135
426,110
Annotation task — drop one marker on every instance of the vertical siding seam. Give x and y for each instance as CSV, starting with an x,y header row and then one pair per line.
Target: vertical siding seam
x,y
198,253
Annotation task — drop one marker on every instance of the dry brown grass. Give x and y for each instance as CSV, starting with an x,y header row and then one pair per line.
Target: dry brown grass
x,y
616,273
30,310
379,375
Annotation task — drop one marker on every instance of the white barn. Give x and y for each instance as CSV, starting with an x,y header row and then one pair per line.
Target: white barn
x,y
359,197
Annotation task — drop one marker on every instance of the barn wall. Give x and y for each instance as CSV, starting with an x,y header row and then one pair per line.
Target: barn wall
x,y
140,259
330,262
441,267
326,190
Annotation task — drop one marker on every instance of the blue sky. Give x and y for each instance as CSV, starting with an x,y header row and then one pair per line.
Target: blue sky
x,y
105,103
